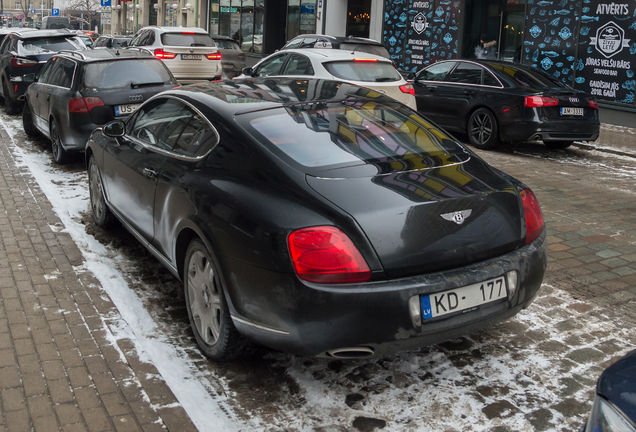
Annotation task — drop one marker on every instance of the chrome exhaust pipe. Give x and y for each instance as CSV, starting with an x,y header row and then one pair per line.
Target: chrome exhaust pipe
x,y
351,353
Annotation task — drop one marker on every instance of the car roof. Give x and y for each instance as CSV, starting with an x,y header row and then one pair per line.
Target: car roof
x,y
15,30
44,33
231,97
342,39
91,56
321,54
198,30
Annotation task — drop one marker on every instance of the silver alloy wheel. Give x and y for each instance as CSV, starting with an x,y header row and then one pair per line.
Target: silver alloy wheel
x,y
481,128
204,296
55,141
97,196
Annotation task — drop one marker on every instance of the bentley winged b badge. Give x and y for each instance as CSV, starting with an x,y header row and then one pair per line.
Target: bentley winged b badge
x,y
458,217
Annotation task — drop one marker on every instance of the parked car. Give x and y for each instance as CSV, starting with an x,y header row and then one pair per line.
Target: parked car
x,y
349,43
232,58
317,217
367,70
112,41
4,31
492,101
25,52
78,91
252,43
88,41
55,22
615,401
189,52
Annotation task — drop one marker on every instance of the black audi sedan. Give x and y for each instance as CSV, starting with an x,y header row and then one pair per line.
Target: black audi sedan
x,y
77,91
615,402
494,101
317,217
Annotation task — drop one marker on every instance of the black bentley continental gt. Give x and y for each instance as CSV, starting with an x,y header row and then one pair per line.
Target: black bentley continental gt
x,y
317,217
493,101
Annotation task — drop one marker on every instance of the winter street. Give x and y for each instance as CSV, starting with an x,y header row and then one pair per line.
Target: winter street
x,y
536,371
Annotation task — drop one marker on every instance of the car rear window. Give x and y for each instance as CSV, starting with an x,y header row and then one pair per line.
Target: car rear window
x,y
226,44
125,74
365,48
369,71
350,133
43,45
531,78
121,43
187,39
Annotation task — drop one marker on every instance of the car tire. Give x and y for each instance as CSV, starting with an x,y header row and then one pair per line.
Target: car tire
x,y
558,145
207,309
482,129
27,121
102,215
10,106
60,156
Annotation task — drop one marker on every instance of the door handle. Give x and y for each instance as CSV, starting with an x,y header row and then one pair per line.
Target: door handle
x,y
37,94
48,97
150,173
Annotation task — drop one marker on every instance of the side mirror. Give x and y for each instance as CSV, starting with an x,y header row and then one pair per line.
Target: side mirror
x,y
29,78
248,71
114,129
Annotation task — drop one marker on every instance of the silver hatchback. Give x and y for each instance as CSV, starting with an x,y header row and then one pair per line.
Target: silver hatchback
x,y
189,52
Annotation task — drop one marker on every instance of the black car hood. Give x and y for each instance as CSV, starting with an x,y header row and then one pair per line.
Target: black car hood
x,y
408,215
618,384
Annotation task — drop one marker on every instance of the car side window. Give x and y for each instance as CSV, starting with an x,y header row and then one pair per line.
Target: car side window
x,y
271,66
308,42
298,64
436,72
490,80
294,43
46,70
150,40
62,73
5,44
466,73
160,123
136,38
13,44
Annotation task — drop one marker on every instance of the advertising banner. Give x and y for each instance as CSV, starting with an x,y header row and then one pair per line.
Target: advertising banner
x,y
550,37
418,35
394,33
607,49
446,29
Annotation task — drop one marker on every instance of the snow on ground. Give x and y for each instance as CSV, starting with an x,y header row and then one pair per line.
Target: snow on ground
x,y
536,371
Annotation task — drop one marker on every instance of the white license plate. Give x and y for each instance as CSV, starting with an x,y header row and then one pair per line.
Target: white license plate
x,y
572,111
463,298
126,109
190,57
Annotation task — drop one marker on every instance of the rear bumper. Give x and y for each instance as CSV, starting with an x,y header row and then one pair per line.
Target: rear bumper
x,y
75,135
280,311
551,130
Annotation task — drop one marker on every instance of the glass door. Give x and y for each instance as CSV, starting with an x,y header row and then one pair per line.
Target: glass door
x,y
512,22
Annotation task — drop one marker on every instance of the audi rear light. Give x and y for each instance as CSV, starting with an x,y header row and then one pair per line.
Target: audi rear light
x,y
534,218
593,103
84,105
160,53
20,62
540,101
407,88
365,60
213,56
325,254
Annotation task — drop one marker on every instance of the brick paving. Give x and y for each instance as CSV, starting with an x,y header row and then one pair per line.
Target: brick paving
x,y
59,369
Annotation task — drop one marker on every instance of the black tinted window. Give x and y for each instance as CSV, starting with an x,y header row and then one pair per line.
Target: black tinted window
x,y
436,72
126,74
529,77
157,121
371,49
62,73
187,39
369,71
196,138
298,65
46,70
466,73
490,80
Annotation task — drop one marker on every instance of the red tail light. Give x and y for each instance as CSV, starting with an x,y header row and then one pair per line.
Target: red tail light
x,y
20,62
407,88
326,255
593,103
184,32
160,53
365,60
84,105
534,218
214,56
540,101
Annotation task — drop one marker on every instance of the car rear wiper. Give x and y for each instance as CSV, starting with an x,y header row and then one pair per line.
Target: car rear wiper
x,y
383,79
148,84
197,44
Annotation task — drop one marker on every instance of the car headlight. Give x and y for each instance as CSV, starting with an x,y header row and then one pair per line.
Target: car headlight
x,y
605,417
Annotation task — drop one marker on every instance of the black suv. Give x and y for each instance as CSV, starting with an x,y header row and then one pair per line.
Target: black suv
x,y
112,41
369,46
25,52
78,91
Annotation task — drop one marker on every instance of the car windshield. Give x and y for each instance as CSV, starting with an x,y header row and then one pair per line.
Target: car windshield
x,y
187,39
366,48
49,44
350,133
125,74
120,43
368,71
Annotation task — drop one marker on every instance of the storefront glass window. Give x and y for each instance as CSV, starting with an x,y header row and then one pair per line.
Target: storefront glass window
x,y
242,20
301,17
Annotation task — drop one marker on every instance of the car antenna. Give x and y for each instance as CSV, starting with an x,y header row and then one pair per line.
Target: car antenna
x,y
354,48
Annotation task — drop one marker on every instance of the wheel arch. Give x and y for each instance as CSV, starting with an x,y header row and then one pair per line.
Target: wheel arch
x,y
475,108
